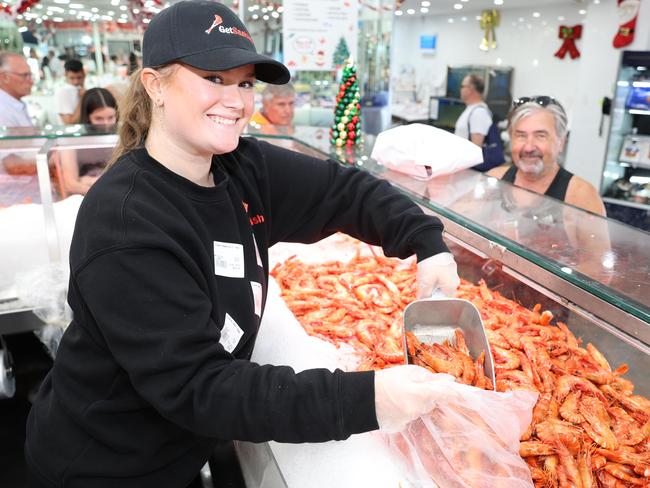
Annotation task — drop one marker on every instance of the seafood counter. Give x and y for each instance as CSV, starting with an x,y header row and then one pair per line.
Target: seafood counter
x,y
589,426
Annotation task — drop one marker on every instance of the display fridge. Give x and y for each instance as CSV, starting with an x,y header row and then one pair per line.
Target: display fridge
x,y
626,176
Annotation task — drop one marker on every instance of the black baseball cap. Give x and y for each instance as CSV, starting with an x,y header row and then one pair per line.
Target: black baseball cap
x,y
209,36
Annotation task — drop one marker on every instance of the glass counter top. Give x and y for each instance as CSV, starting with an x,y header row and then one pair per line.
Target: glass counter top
x,y
53,132
603,257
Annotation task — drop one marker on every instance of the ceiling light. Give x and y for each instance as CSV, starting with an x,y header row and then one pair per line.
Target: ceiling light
x,y
136,11
464,19
265,17
450,20
38,21
424,10
425,3
561,18
582,12
123,7
94,10
536,14
410,11
280,9
62,2
398,12
498,2
39,6
77,6
458,6
146,20
57,19
275,15
115,3
255,16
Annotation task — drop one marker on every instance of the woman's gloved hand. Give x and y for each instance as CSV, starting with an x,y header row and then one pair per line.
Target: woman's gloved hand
x,y
403,394
437,272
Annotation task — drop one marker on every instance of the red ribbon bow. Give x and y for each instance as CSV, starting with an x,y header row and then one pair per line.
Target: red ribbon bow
x,y
569,34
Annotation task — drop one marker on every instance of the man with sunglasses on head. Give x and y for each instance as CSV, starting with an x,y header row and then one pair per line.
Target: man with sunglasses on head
x,y
15,83
538,130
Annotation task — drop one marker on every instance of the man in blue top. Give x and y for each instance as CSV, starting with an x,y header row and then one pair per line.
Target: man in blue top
x,y
15,83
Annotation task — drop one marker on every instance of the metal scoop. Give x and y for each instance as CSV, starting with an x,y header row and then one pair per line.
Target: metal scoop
x,y
434,320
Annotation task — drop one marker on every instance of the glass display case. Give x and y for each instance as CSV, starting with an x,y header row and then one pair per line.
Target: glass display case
x,y
592,273
589,266
626,176
38,205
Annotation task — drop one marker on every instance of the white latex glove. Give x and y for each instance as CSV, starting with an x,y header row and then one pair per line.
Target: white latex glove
x,y
403,394
437,272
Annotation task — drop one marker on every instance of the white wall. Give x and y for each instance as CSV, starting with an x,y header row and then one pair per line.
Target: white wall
x,y
528,45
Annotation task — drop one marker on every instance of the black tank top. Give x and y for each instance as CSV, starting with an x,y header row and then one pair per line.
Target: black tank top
x,y
557,188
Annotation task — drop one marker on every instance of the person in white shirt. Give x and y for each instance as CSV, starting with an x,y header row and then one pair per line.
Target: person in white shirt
x,y
68,97
15,83
475,121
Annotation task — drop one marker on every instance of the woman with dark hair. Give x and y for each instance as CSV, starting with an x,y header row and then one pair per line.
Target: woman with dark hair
x,y
81,168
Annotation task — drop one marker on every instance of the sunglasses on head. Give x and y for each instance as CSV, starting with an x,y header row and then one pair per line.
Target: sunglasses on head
x,y
542,100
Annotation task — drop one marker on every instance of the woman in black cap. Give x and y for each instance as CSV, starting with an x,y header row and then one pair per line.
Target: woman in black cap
x,y
169,272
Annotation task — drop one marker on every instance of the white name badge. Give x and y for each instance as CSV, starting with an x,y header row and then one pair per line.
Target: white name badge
x,y
230,334
257,297
228,259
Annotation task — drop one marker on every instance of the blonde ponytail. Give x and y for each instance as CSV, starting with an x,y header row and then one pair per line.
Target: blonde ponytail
x,y
135,115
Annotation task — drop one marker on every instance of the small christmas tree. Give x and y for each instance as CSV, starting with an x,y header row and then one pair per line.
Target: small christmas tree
x,y
346,130
341,53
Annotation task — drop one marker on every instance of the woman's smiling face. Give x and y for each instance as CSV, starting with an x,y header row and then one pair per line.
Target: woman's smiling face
x,y
205,112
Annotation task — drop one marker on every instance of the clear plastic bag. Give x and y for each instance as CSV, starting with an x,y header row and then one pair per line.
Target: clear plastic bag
x,y
470,439
45,288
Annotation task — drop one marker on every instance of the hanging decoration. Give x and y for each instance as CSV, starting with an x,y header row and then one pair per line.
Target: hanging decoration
x,y
569,36
346,130
489,21
24,5
628,11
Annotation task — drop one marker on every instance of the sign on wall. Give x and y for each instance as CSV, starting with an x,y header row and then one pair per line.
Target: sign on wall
x,y
319,36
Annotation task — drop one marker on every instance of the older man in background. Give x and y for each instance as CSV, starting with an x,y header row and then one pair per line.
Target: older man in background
x,y
538,130
15,83
277,109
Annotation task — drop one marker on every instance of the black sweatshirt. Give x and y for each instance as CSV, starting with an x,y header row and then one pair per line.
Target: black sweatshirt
x,y
154,369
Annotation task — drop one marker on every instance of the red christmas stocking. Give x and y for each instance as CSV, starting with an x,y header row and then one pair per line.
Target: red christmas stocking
x,y
628,11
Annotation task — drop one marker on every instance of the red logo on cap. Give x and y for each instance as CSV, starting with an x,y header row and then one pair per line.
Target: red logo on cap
x,y
217,20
